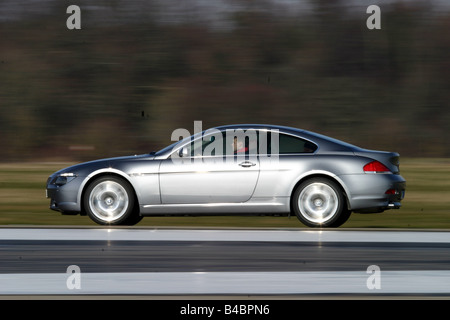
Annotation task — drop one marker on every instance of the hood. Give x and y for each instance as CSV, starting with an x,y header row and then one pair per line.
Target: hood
x,y
83,169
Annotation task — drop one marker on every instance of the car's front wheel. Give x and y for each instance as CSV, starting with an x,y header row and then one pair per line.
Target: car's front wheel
x,y
110,200
319,202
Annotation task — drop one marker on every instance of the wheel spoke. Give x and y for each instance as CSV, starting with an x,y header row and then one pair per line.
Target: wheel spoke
x,y
108,201
318,202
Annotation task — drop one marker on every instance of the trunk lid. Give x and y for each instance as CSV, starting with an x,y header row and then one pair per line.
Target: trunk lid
x,y
389,159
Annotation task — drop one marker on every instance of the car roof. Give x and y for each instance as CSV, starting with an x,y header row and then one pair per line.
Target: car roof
x,y
260,126
325,143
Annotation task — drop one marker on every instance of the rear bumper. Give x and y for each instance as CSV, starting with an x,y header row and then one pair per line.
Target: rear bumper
x,y
371,193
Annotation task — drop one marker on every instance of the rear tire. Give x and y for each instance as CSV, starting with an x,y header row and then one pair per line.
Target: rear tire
x,y
110,200
319,202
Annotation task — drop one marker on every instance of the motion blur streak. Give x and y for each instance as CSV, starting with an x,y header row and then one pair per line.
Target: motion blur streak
x,y
183,234
138,69
186,283
222,261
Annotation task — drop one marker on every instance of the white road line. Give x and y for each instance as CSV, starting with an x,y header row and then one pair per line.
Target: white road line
x,y
185,283
106,234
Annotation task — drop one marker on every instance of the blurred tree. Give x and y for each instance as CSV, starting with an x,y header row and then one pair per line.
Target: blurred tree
x,y
139,69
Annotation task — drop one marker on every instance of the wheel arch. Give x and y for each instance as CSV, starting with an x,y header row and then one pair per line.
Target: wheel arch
x,y
325,175
103,173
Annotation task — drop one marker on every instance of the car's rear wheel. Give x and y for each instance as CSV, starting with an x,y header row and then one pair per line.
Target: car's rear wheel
x,y
110,200
319,202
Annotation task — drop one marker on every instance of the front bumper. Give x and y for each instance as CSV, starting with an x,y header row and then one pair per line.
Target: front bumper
x,y
64,198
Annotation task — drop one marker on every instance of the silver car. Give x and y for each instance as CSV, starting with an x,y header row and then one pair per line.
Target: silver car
x,y
235,170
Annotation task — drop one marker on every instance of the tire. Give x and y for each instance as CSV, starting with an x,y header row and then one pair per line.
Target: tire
x,y
320,202
110,200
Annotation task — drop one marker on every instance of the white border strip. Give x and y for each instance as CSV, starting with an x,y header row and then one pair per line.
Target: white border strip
x,y
186,283
106,234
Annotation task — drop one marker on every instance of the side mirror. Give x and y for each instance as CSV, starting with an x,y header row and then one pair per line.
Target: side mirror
x,y
183,152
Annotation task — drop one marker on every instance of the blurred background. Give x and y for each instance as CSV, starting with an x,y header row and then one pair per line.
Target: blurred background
x,y
138,69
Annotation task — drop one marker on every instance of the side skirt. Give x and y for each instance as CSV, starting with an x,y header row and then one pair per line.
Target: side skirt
x,y
280,206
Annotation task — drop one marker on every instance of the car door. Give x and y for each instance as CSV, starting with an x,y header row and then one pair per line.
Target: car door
x,y
201,172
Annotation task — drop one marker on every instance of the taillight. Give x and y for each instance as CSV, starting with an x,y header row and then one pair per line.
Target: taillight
x,y
376,167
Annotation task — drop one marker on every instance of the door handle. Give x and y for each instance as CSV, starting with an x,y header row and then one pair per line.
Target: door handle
x,y
247,164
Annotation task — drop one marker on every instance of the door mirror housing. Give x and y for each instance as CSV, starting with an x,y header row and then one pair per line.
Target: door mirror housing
x,y
183,152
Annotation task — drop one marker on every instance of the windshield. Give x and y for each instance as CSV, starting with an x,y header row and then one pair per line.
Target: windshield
x,y
171,147
166,149
180,142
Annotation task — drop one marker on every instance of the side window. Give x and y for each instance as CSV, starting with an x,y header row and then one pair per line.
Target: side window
x,y
207,146
241,142
291,144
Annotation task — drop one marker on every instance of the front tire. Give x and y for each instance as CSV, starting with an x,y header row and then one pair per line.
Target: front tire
x,y
110,200
320,202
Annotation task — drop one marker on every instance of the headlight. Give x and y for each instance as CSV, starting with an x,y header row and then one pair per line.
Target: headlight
x,y
64,178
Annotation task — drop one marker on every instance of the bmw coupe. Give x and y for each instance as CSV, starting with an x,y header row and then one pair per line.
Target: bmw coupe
x,y
235,170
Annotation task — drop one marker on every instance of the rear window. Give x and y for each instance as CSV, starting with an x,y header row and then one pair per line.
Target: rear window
x,y
291,144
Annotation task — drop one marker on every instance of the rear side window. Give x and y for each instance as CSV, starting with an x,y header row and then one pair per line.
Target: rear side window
x,y
291,144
